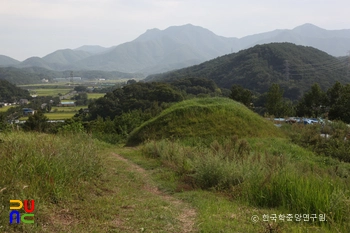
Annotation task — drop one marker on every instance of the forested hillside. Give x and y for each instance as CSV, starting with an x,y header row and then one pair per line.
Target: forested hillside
x,y
32,75
294,68
9,92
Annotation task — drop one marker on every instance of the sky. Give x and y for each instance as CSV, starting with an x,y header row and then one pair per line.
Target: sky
x,y
39,27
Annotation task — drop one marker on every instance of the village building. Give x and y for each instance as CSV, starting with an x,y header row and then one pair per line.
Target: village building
x,y
28,111
23,101
66,104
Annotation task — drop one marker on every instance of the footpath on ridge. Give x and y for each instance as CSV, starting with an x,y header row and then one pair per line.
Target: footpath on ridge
x,y
187,215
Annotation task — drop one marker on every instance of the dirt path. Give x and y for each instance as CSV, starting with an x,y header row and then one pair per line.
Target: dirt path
x,y
187,216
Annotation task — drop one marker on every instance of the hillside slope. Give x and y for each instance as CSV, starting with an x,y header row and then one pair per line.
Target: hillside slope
x,y
66,56
294,67
207,118
10,93
8,61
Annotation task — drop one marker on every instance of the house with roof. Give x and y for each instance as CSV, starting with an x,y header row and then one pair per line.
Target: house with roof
x,y
28,111
23,101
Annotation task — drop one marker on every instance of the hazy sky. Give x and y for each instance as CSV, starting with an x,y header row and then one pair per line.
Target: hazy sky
x,y
39,27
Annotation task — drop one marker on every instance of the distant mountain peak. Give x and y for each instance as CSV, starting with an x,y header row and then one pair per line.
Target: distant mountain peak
x,y
308,25
153,30
94,49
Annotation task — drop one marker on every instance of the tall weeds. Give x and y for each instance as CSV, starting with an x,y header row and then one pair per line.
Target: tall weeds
x,y
264,177
46,168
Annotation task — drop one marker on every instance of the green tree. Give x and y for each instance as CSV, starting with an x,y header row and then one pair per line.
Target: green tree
x,y
339,108
81,99
242,95
313,102
135,96
80,88
334,93
37,122
274,101
131,81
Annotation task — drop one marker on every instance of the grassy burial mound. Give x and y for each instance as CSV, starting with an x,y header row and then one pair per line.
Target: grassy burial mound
x,y
206,118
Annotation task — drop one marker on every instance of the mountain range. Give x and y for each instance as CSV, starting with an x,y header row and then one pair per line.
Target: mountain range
x,y
176,47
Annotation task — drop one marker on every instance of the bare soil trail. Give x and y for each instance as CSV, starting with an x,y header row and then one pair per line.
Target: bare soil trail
x,y
186,217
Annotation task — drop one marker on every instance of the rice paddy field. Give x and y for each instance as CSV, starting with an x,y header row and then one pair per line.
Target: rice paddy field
x,y
51,92
95,95
60,115
55,116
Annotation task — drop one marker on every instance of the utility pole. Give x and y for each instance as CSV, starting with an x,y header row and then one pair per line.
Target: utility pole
x,y
287,69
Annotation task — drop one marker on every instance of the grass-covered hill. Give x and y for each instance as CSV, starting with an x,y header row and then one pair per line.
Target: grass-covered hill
x,y
258,67
204,118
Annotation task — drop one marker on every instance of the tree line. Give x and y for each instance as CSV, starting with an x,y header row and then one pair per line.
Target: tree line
x,y
333,104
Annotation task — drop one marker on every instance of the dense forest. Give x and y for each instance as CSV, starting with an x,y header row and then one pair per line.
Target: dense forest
x,y
11,93
294,68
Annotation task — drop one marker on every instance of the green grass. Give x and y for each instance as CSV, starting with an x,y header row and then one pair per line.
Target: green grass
x,y
266,173
46,168
60,115
55,116
226,210
95,95
79,186
5,108
205,119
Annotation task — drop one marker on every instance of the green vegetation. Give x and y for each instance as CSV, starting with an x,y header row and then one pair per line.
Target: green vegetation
x,y
51,92
34,75
11,93
137,96
67,109
335,145
204,119
259,67
211,162
48,169
5,108
79,185
59,115
26,75
212,158
95,95
54,116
